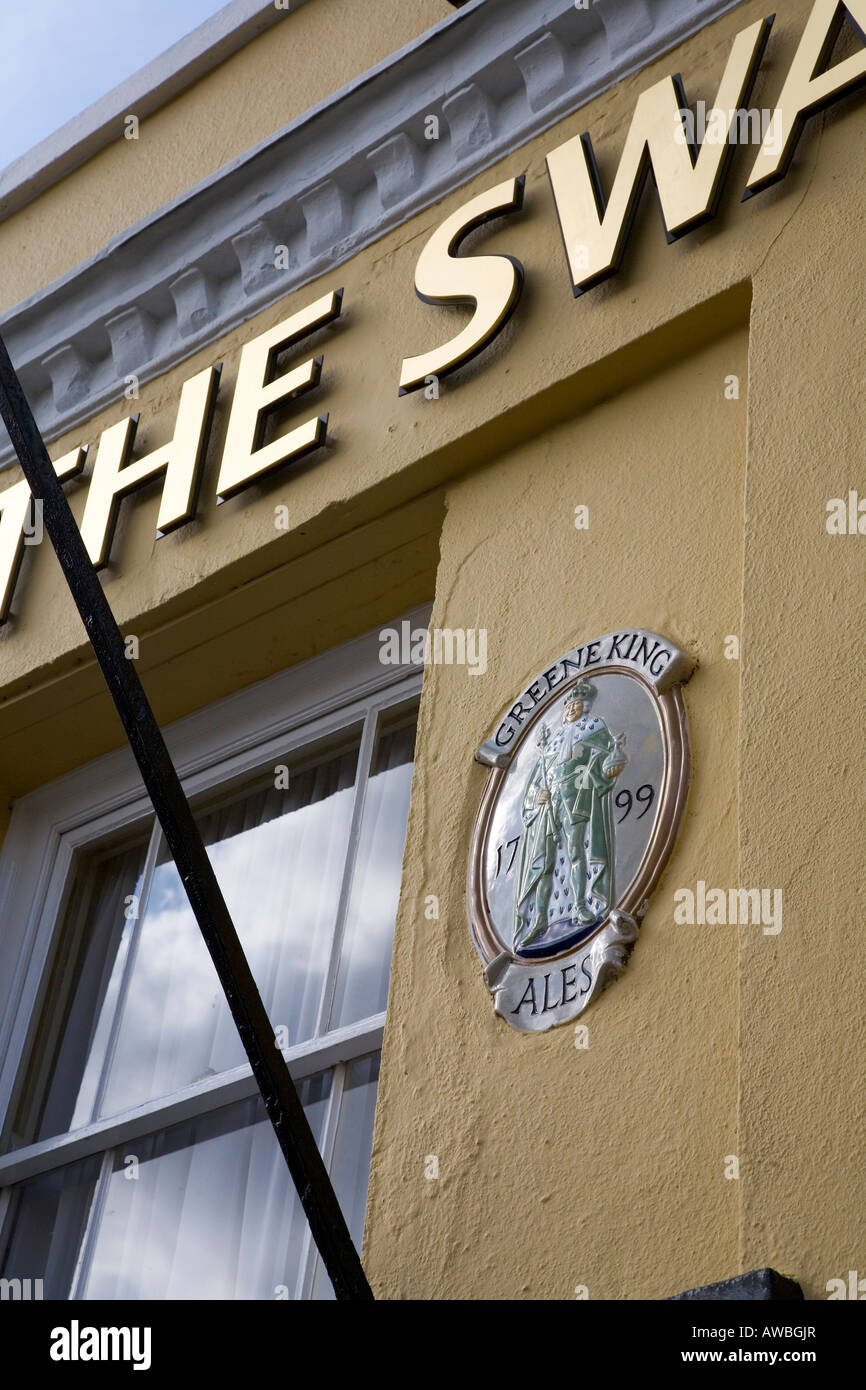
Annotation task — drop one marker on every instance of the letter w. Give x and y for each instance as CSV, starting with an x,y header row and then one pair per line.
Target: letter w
x,y
689,181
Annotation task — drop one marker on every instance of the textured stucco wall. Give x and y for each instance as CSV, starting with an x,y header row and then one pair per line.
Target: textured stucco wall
x,y
802,754
559,1167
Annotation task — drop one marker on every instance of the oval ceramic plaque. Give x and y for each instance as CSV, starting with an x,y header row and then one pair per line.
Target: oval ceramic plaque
x,y
588,781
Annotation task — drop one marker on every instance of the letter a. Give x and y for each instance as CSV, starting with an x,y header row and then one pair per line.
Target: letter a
x,y
809,88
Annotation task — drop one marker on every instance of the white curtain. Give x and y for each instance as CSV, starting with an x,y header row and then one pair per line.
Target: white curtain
x,y
365,963
208,1211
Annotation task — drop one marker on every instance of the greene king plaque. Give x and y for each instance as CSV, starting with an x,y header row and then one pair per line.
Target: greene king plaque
x,y
589,771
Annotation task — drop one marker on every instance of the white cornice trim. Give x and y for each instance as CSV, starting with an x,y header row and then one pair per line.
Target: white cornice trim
x,y
196,54
495,74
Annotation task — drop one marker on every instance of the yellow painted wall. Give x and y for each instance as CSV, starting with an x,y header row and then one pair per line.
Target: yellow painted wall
x,y
802,753
561,1167
558,1167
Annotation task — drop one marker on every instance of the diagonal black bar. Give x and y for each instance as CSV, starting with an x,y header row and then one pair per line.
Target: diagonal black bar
x,y
327,1223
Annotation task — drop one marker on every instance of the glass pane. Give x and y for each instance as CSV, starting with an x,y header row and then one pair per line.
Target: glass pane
x,y
57,1088
279,854
45,1225
362,981
207,1210
350,1166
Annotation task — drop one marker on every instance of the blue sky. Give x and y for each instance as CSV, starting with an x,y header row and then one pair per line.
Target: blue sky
x,y
59,56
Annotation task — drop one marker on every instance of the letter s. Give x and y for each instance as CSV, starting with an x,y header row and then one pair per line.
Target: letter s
x,y
492,284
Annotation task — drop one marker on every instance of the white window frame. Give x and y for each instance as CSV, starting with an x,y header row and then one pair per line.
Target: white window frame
x,y
347,685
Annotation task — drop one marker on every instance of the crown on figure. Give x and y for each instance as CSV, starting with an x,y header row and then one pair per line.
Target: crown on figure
x,y
584,690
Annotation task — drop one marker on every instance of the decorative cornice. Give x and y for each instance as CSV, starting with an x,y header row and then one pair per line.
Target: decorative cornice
x,y
493,75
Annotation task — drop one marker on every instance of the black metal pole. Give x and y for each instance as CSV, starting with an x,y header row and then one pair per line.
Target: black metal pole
x,y
327,1223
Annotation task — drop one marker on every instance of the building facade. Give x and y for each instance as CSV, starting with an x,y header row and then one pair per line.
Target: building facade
x,y
408,356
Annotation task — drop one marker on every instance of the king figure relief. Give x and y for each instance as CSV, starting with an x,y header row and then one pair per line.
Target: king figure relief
x,y
564,884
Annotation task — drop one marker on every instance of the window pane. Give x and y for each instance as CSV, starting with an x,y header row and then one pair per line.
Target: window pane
x,y
362,982
43,1229
211,1214
278,855
208,1210
350,1166
57,1088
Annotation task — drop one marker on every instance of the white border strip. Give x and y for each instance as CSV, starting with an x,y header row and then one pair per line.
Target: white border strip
x,y
146,91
